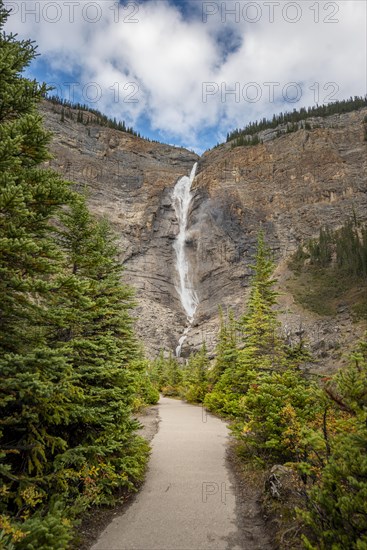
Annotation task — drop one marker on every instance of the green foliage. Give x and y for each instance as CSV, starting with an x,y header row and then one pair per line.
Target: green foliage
x,y
226,352
337,511
223,398
166,375
89,320
246,141
70,366
174,380
332,269
293,120
146,392
345,249
195,377
351,249
99,118
320,249
275,409
297,261
46,531
281,415
249,347
275,397
259,324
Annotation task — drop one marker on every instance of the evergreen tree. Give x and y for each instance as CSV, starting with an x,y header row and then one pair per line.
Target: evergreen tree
x,y
173,375
157,370
195,376
243,137
341,253
277,400
69,361
90,322
260,348
36,381
166,374
337,503
321,249
274,412
226,352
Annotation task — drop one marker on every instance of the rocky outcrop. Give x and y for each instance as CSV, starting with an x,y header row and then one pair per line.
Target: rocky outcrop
x,y
290,185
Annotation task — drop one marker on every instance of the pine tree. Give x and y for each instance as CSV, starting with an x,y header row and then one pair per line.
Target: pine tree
x,y
36,381
337,503
90,322
195,376
226,352
260,349
69,361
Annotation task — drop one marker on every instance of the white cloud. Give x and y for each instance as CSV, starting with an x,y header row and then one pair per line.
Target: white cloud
x,y
166,57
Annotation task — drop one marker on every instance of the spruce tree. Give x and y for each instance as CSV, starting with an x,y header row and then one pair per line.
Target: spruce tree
x,y
260,322
90,322
69,361
195,376
260,348
36,381
337,503
226,352
167,374
275,399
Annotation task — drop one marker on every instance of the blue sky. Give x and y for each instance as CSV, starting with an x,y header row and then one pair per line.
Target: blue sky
x,y
187,72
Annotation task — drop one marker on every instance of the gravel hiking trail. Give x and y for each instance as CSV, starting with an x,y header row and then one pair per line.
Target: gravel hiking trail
x,y
188,501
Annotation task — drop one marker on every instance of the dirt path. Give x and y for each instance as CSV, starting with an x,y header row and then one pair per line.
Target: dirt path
x,y
188,501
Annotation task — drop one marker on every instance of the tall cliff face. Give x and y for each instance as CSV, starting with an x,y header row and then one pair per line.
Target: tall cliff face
x,y
290,186
130,180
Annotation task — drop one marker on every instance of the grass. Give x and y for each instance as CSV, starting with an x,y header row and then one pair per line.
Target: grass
x,y
325,290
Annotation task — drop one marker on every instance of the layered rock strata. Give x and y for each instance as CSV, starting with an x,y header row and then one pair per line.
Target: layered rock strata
x,y
290,185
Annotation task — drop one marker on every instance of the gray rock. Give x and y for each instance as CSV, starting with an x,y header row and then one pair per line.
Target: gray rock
x,y
289,186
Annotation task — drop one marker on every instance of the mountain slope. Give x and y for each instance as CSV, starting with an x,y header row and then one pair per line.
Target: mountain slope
x,y
289,185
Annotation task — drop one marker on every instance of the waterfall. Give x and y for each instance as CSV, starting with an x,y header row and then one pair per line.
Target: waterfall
x,y
181,199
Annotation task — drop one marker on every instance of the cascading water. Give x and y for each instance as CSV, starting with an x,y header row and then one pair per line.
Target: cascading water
x,y
181,199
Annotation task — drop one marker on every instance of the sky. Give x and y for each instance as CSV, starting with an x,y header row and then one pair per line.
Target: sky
x,y
187,72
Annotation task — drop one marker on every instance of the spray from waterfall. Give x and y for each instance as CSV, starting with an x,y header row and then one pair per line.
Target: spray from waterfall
x,y
181,199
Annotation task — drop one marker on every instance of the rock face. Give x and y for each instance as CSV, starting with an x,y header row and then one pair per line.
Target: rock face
x,y
290,185
129,180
